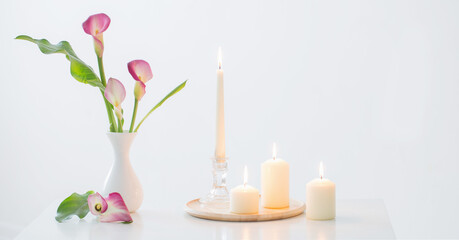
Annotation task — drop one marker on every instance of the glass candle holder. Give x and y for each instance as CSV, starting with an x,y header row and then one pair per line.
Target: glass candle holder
x,y
218,196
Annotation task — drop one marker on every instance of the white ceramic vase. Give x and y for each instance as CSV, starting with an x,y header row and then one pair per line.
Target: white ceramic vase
x,y
122,178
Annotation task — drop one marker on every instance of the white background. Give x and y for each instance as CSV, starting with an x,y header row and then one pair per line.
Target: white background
x,y
368,87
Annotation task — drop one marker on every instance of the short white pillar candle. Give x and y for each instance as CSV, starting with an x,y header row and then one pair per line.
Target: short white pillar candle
x,y
275,182
244,199
320,198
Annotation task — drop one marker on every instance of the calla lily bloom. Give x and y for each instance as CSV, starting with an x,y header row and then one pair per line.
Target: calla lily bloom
x,y
140,70
115,208
139,90
116,211
115,94
95,25
97,204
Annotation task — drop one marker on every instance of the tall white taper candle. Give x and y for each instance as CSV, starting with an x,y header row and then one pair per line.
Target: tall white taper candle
x,y
220,138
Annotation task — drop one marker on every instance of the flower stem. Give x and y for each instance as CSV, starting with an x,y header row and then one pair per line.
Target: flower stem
x,y
100,62
111,120
120,126
134,114
108,106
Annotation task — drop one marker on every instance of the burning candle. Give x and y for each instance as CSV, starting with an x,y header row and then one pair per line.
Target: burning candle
x,y
244,198
320,198
275,182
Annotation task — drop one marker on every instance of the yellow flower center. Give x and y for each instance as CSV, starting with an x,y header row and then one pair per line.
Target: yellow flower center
x,y
98,207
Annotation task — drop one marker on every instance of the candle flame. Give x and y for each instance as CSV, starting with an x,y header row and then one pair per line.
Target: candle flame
x,y
274,151
246,175
220,56
321,170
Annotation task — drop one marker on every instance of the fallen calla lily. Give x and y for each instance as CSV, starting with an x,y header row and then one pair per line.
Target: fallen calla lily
x,y
97,204
115,94
115,211
140,70
95,25
139,90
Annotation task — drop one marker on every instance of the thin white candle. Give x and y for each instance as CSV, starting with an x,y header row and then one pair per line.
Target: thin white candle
x,y
220,134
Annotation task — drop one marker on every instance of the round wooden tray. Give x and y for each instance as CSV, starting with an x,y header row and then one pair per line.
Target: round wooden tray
x,y
196,209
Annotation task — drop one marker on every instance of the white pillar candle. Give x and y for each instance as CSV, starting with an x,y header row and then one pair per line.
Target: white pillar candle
x,y
275,182
220,133
320,198
244,198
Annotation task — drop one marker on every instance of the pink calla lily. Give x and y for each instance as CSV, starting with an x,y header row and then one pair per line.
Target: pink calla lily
x,y
115,210
95,25
139,90
97,204
140,70
115,94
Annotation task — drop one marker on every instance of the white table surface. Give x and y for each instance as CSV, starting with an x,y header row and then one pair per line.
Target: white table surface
x,y
356,219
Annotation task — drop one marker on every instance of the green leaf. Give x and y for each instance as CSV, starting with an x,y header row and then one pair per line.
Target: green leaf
x,y
176,90
79,70
75,204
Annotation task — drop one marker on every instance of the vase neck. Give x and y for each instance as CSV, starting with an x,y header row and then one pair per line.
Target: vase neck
x,y
121,143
